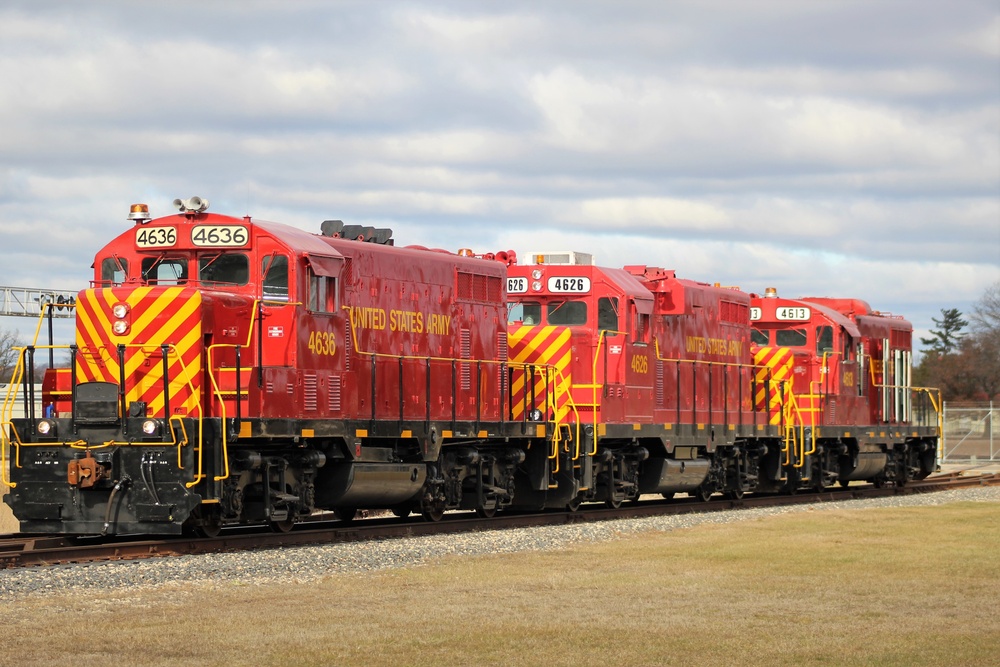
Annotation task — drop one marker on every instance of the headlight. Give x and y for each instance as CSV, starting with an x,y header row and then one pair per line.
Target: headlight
x,y
537,274
120,310
536,415
46,427
151,427
537,286
120,327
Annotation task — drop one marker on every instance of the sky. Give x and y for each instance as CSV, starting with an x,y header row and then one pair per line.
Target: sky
x,y
843,148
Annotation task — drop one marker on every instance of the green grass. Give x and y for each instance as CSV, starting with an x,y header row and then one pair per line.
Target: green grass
x,y
908,586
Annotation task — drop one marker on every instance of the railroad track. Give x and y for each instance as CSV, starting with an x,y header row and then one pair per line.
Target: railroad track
x,y
19,551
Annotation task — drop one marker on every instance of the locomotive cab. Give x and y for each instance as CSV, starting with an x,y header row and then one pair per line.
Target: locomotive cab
x,y
593,323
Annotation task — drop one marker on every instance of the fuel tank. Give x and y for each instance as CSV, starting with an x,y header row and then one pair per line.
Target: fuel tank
x,y
670,476
362,485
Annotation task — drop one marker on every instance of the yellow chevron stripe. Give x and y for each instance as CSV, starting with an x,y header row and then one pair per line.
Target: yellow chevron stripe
x,y
543,346
776,364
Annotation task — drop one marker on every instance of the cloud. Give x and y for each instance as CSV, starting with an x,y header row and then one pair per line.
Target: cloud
x,y
844,148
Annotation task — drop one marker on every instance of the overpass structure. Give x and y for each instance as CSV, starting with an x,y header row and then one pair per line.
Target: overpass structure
x,y
29,301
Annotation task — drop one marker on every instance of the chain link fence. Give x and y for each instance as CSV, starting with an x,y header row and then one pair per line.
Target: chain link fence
x,y
971,432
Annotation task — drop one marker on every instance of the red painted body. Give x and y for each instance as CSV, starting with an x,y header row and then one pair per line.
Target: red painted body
x,y
850,363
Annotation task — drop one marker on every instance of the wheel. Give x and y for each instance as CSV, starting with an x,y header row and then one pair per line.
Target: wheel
x,y
281,526
210,528
668,496
613,501
703,493
486,512
432,513
844,483
402,511
574,504
734,493
202,524
346,514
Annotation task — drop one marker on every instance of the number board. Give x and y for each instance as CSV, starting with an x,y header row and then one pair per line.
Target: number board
x,y
754,314
155,237
517,285
564,284
220,236
792,314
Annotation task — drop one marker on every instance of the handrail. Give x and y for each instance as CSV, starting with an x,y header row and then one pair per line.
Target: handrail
x,y
384,355
217,392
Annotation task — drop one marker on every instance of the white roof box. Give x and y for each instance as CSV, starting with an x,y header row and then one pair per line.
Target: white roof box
x,y
561,257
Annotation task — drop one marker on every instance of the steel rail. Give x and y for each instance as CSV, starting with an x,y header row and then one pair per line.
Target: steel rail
x,y
18,551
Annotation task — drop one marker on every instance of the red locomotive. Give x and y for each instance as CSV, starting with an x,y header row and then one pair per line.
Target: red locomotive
x,y
840,375
232,371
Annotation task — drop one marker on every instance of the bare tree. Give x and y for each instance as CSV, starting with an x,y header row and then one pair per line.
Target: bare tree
x,y
9,340
985,313
984,348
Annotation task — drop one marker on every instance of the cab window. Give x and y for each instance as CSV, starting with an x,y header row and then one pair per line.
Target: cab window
x,y
225,269
322,293
114,270
790,337
607,314
274,268
567,313
165,270
641,333
824,340
528,313
760,337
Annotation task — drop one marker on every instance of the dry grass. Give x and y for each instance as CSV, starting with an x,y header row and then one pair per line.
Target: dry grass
x,y
911,586
8,524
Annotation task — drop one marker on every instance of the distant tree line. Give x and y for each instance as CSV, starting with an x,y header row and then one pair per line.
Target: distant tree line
x,y
962,357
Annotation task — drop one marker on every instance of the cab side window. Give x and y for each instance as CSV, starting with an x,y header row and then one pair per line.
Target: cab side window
x,y
274,269
824,340
607,314
322,293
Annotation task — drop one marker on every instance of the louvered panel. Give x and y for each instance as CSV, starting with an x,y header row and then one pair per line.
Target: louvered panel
x,y
309,392
466,353
334,396
502,356
659,383
348,345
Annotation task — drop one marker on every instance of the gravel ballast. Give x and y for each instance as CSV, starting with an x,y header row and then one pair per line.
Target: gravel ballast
x,y
311,563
